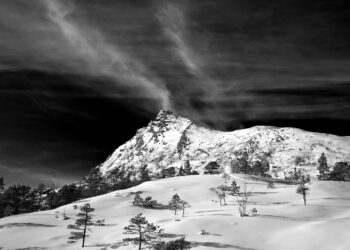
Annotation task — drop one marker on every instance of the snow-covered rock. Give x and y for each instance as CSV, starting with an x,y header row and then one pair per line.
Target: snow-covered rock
x,y
170,140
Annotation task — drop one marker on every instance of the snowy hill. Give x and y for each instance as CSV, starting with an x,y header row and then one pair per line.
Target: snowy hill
x,y
170,140
282,223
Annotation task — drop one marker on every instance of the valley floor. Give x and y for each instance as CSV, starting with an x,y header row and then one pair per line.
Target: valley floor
x,y
282,223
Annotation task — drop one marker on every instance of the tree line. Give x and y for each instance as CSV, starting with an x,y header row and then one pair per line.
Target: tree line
x,y
17,199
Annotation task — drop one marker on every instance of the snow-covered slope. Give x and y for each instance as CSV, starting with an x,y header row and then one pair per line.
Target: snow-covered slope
x,y
170,140
282,223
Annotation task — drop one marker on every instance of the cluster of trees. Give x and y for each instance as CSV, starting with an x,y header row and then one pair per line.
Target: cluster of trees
x,y
176,203
340,171
16,199
171,171
220,191
212,168
242,165
147,234
242,195
148,202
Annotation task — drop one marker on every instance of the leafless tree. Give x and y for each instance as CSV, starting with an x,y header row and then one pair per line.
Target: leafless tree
x,y
242,200
184,205
220,193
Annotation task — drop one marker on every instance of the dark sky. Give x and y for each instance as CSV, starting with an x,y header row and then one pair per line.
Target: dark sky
x,y
77,78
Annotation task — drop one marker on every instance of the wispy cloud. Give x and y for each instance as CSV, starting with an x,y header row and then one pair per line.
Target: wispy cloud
x,y
102,58
174,22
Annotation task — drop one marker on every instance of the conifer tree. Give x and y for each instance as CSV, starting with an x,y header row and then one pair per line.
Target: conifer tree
x,y
323,165
147,233
95,183
19,198
2,184
38,193
181,171
243,163
81,224
175,204
138,201
144,174
187,168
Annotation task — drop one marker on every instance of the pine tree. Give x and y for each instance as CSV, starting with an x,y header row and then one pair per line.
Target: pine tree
x,y
187,168
323,165
144,175
81,224
38,195
19,198
148,202
147,233
244,166
2,201
303,190
95,183
175,204
181,171
2,184
8,211
138,201
265,164
257,168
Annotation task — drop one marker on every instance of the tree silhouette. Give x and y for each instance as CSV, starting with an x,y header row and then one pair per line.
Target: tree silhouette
x,y
323,166
81,224
175,204
242,200
303,190
184,205
147,233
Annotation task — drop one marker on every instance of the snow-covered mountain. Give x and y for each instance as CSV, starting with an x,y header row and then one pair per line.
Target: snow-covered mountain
x,y
170,140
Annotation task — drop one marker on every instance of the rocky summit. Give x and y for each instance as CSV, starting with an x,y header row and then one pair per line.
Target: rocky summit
x,y
173,141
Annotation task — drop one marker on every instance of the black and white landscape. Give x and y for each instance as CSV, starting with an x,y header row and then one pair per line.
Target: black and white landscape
x,y
174,124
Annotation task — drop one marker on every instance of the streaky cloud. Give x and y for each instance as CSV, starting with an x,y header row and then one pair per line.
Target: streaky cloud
x,y
105,59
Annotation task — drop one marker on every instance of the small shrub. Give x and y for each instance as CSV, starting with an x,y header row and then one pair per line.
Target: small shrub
x,y
270,184
100,223
203,232
149,203
253,211
138,201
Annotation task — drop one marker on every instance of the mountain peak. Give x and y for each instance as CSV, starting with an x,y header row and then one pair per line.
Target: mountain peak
x,y
170,140
166,115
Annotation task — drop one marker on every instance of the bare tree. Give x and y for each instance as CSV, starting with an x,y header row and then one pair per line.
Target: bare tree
x,y
242,200
184,205
220,193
